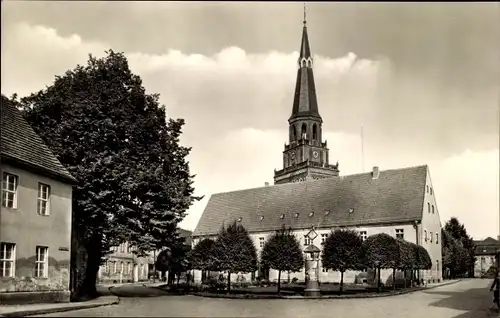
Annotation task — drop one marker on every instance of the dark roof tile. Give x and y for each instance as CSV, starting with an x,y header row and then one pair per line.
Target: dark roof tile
x,y
20,143
396,196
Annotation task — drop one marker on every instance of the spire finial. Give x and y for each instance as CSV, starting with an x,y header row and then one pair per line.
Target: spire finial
x,y
304,13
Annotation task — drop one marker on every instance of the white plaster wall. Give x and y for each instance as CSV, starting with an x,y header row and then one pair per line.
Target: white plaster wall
x,y
330,276
431,223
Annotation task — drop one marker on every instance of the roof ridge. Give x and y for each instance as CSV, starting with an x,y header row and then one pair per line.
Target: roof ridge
x,y
319,180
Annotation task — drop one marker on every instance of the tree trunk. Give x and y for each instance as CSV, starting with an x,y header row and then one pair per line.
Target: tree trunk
x,y
341,281
88,286
288,277
228,282
279,281
404,278
394,278
178,279
379,289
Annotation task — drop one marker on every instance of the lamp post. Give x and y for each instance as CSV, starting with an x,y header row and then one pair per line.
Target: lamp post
x,y
311,267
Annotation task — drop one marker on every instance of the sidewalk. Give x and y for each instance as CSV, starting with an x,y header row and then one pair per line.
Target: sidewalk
x,y
39,309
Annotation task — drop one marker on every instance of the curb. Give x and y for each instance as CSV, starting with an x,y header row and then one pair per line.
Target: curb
x,y
22,313
374,295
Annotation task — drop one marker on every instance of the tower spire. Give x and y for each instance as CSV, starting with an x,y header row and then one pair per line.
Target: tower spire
x,y
305,21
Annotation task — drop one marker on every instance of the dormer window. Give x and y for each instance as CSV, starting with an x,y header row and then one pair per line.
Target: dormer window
x,y
282,216
296,215
327,212
239,219
351,210
311,214
261,217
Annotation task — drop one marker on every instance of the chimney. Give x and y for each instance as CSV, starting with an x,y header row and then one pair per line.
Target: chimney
x,y
375,173
266,184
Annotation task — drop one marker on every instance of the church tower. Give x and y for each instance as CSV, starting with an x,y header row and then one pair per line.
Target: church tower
x,y
306,155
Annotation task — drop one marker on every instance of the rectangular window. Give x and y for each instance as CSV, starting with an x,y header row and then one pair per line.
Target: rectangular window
x,y
430,237
129,248
261,241
437,238
363,235
9,190
121,267
7,259
400,233
41,263
115,268
122,248
307,241
323,238
43,199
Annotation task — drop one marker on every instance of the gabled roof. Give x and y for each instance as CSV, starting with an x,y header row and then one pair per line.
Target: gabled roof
x,y
21,145
395,196
488,246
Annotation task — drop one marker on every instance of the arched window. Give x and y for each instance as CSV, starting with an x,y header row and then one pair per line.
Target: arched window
x,y
303,132
428,207
433,208
315,132
294,133
425,235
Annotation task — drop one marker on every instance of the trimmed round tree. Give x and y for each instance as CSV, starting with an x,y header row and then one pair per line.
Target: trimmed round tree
x,y
423,258
235,251
342,251
282,252
407,257
381,251
202,256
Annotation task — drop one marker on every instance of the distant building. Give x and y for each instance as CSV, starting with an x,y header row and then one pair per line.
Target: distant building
x,y
485,255
123,266
309,195
35,218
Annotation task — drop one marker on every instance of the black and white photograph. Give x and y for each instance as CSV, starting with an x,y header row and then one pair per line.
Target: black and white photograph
x,y
250,159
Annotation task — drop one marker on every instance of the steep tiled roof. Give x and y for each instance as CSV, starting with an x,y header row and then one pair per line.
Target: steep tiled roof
x,y
20,144
488,246
395,196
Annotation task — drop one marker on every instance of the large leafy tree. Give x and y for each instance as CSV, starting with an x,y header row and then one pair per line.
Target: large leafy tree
x,y
458,232
282,252
342,251
381,251
235,251
133,178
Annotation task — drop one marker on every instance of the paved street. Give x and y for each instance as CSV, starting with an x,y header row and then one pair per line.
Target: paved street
x,y
466,299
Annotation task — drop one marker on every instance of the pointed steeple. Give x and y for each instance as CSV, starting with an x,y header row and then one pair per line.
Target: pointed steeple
x,y
305,102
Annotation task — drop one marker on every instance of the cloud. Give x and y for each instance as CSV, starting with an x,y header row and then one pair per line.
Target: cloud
x,y
236,105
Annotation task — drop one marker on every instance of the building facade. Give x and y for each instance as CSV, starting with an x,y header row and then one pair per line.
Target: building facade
x,y
485,252
35,218
310,195
123,266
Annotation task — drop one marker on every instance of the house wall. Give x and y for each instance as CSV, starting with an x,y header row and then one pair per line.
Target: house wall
x,y
410,235
431,223
24,227
483,263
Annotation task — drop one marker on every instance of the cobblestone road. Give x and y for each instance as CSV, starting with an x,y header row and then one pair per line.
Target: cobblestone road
x,y
466,299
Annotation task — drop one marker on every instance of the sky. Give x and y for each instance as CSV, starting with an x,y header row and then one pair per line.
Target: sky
x,y
421,79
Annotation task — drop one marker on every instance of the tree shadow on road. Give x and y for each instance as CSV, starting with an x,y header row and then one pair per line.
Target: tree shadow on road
x,y
475,302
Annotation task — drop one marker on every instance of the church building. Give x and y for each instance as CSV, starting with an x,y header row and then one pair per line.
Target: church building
x,y
312,198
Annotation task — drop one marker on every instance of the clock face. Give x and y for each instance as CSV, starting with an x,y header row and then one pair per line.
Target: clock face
x,y
315,154
292,155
